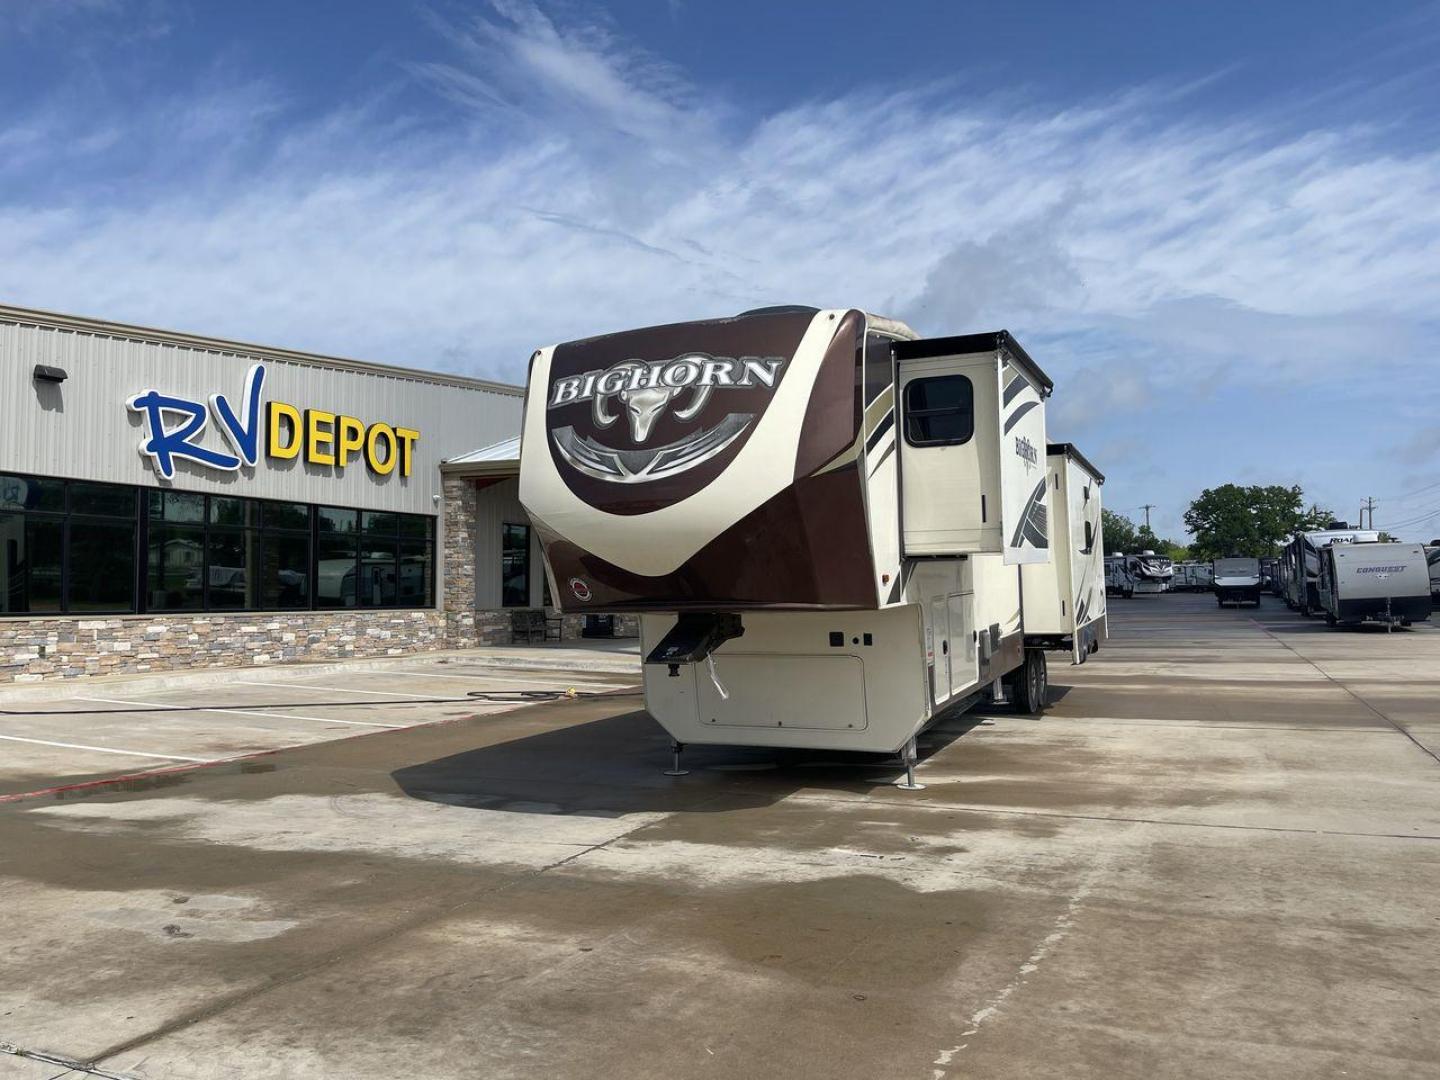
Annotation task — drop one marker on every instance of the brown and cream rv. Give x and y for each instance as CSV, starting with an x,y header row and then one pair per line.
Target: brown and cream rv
x,y
821,519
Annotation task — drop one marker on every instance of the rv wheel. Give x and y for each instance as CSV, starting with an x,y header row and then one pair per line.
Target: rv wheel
x,y
1330,620
1032,683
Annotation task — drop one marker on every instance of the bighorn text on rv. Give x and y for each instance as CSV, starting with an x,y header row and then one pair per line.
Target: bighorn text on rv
x,y
832,530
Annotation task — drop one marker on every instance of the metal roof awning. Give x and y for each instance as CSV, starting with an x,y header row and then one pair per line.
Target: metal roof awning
x,y
499,459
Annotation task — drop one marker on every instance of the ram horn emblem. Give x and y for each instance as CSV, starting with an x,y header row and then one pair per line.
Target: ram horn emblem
x,y
644,404
645,390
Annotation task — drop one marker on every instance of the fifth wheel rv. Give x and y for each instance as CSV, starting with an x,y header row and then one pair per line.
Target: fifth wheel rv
x,y
1381,582
821,520
1152,573
1118,581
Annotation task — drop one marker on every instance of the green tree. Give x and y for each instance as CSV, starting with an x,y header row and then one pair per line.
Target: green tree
x,y
1248,520
1119,533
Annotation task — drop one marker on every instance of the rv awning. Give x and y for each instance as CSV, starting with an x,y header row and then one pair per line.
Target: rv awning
x,y
498,459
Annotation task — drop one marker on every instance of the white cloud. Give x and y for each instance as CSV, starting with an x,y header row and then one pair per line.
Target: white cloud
x,y
565,183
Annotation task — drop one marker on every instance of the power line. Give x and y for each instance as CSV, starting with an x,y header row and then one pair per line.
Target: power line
x,y
1411,494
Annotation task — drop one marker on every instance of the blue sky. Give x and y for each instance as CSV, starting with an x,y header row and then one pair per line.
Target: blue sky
x,y
1216,225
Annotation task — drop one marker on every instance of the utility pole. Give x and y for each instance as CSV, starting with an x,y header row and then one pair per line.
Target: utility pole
x,y
1370,506
1147,508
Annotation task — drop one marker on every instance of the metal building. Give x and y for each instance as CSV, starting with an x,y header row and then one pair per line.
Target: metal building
x,y
170,501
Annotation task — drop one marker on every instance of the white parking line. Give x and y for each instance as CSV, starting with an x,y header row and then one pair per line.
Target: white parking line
x,y
252,712
345,690
102,749
473,675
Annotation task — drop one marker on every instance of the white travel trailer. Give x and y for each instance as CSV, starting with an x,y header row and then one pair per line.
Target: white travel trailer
x,y
1237,581
820,519
1118,581
1300,562
1387,583
1152,573
1064,598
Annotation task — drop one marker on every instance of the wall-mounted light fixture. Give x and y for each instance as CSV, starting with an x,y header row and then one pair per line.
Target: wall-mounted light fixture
x,y
45,373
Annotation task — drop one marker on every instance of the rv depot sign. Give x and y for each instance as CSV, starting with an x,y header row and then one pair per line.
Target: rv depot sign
x,y
175,425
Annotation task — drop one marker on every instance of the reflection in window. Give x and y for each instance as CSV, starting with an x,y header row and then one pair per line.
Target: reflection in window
x,y
285,571
232,556
515,565
176,567
414,589
83,546
30,563
102,564
335,570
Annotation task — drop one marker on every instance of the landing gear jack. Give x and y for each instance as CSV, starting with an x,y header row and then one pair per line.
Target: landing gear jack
x,y
908,754
675,770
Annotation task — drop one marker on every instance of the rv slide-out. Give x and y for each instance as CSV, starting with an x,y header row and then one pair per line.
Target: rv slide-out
x,y
1065,596
822,521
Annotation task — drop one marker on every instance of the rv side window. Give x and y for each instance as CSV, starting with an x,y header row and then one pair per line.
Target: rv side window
x,y
939,411
878,367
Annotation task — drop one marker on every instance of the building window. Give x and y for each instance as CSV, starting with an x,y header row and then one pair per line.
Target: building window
x,y
66,547
515,565
939,411
80,547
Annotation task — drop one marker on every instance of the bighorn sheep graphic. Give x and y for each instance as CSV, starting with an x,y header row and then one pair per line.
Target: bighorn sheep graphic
x,y
645,405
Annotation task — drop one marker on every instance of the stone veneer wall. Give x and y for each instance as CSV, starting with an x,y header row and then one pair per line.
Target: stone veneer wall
x,y
67,646
457,565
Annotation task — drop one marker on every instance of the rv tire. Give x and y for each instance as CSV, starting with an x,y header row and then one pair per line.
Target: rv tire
x,y
1032,683
1330,620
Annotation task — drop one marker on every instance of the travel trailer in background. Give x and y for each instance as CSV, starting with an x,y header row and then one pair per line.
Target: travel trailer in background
x,y
1237,581
1432,556
1269,575
1300,562
1152,573
1118,581
821,520
1190,577
1373,582
1064,598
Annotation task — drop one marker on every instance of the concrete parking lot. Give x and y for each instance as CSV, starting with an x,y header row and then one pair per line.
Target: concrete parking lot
x,y
1217,854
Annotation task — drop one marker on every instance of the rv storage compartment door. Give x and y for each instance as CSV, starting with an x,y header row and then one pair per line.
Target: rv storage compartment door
x,y
972,456
964,658
776,691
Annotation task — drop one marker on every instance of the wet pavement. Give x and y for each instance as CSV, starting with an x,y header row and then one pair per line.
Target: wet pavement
x,y
1217,854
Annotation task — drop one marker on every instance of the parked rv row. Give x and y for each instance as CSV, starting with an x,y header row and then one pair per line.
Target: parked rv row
x,y
1145,573
832,530
1351,577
